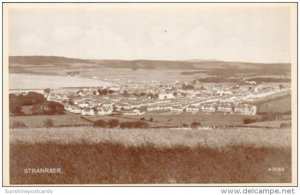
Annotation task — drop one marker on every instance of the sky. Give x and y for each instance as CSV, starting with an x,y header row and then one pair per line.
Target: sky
x,y
229,32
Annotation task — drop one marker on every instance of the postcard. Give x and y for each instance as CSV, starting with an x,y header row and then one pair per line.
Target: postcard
x,y
159,94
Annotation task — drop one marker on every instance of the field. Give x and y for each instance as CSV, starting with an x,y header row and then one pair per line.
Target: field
x,y
89,155
58,120
173,120
168,120
164,137
270,124
108,163
278,105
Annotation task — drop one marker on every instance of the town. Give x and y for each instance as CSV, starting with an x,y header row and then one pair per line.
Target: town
x,y
177,97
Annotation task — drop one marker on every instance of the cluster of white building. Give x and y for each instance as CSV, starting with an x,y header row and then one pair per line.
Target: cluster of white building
x,y
169,99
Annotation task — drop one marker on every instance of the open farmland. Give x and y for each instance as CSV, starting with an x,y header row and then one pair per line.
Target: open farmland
x,y
102,156
159,137
36,121
270,124
278,105
174,120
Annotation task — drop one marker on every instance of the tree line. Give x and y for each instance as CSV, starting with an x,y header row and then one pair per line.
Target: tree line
x,y
40,105
114,123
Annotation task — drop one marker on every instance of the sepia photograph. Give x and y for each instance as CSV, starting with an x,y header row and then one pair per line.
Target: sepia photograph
x,y
139,94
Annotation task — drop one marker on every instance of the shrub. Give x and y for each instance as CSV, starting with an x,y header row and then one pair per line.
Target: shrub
x,y
140,124
142,119
126,125
284,125
195,124
18,124
136,124
113,123
55,108
48,123
100,123
248,121
269,117
184,125
151,119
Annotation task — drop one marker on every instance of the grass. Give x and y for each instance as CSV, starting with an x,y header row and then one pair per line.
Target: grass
x,y
166,120
270,124
277,105
164,137
111,163
37,121
173,120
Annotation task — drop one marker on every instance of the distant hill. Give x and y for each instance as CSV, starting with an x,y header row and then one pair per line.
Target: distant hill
x,y
43,60
37,61
145,64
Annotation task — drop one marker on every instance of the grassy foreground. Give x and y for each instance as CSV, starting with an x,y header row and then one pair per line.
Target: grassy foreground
x,y
113,163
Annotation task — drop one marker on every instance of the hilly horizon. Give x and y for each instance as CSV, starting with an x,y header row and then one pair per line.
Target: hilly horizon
x,y
138,63
56,65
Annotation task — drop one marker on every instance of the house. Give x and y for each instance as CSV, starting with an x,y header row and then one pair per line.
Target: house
x,y
89,112
177,109
73,108
223,92
133,112
251,82
83,104
164,96
208,108
104,109
246,109
225,107
159,108
192,109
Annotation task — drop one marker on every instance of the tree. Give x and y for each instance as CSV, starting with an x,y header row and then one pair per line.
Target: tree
x,y
15,105
281,87
141,124
187,87
151,119
126,124
113,123
48,123
125,93
33,98
47,91
134,124
100,123
18,125
248,120
15,108
102,91
55,108
195,124
184,125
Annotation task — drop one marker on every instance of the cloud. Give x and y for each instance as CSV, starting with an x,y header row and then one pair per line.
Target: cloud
x,y
66,33
27,44
101,42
